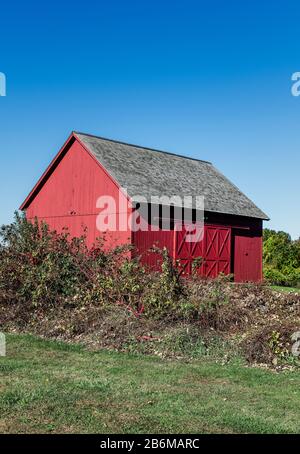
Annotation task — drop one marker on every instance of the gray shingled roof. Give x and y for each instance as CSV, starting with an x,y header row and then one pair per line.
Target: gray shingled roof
x,y
147,172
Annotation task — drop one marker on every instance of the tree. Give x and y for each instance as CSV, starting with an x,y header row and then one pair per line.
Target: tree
x,y
281,256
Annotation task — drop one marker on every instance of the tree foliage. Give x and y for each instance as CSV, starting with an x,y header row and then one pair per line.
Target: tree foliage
x,y
281,256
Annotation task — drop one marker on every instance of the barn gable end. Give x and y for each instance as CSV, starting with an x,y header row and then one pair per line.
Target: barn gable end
x,y
67,195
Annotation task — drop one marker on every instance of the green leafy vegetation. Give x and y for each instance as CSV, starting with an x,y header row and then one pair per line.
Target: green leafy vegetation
x,y
53,387
54,286
281,257
40,268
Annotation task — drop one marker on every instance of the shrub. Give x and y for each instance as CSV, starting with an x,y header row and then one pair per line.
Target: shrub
x,y
275,277
270,344
41,268
289,277
165,295
53,285
293,276
281,257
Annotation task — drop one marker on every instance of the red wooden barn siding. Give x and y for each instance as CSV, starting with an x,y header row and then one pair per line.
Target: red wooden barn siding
x,y
214,249
144,241
68,197
231,244
246,245
67,193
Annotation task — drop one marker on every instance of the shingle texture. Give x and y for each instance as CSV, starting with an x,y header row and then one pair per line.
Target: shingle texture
x,y
147,172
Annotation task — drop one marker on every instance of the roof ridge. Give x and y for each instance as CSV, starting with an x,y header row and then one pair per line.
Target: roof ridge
x,y
141,147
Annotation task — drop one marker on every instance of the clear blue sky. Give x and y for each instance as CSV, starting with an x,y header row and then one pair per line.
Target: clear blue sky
x,y
210,79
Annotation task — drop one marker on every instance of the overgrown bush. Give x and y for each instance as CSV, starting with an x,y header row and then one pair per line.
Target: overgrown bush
x,y
276,277
281,258
53,285
270,344
288,277
41,268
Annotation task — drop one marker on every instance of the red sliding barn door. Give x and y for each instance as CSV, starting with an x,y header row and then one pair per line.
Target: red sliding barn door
x,y
185,252
214,248
217,251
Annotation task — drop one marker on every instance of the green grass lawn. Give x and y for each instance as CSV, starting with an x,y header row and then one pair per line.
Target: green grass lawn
x,y
286,289
54,387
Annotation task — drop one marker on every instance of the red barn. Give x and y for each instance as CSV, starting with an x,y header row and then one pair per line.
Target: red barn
x,y
100,185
